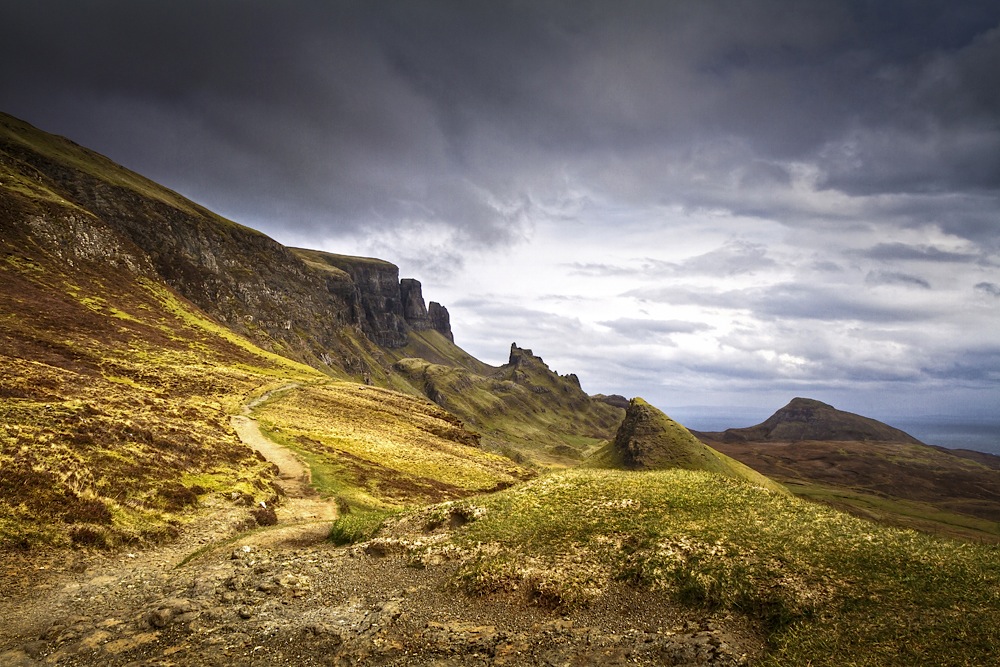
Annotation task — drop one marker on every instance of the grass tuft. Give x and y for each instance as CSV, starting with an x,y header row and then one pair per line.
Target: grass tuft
x,y
357,526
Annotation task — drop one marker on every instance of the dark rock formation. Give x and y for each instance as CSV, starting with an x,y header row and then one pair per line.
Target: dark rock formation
x,y
808,419
650,440
376,291
414,309
420,317
440,320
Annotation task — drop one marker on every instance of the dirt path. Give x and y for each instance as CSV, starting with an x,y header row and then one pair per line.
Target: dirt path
x,y
303,516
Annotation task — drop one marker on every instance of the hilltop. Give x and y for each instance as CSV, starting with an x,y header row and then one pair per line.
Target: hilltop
x,y
650,440
522,408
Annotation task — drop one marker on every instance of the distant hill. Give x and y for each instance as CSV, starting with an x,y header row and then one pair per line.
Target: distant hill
x,y
809,419
871,469
650,440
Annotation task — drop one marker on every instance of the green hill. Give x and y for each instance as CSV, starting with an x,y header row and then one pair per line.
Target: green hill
x,y
809,419
133,323
522,408
650,440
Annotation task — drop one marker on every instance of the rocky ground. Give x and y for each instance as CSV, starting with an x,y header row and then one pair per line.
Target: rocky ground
x,y
229,593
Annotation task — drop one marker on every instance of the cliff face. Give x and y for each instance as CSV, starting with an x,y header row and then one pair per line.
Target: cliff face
x,y
388,308
421,318
83,207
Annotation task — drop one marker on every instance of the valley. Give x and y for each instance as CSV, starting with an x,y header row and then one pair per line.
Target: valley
x,y
218,450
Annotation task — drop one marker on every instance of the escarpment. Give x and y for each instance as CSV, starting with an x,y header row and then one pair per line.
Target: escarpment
x,y
82,207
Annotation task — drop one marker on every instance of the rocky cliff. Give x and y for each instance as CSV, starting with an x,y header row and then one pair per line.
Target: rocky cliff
x,y
83,207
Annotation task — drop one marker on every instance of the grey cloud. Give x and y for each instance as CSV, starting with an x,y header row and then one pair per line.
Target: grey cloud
x,y
875,278
976,365
735,257
923,253
640,329
988,288
789,300
342,115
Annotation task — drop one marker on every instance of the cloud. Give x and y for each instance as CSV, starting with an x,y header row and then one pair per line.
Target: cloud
x,y
660,330
922,253
691,197
876,278
991,289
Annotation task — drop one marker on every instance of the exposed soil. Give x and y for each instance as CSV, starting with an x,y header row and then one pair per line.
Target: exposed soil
x,y
224,593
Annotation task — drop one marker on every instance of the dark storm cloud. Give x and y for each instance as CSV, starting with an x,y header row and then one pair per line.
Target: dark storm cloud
x,y
811,177
343,116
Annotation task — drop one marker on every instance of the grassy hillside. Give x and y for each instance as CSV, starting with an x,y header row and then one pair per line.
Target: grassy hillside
x,y
114,404
822,587
650,440
377,448
910,485
522,409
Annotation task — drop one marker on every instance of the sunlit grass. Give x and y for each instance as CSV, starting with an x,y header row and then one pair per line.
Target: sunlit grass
x,y
377,447
114,409
826,588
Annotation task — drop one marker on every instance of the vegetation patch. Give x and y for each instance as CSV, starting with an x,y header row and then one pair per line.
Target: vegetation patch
x,y
355,527
381,448
114,409
522,409
827,588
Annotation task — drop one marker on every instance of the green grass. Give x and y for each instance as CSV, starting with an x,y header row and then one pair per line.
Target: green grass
x,y
923,516
357,527
527,412
826,588
114,410
377,448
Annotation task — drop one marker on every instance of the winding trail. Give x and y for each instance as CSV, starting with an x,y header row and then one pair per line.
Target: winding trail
x,y
303,516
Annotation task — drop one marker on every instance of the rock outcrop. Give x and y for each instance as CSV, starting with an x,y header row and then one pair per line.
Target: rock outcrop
x,y
420,317
650,440
440,320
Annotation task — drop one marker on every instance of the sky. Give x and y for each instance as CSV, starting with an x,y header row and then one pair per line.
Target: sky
x,y
716,205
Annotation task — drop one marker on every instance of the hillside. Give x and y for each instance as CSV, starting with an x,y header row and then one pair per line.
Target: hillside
x,y
871,469
783,581
417,506
809,419
650,440
305,305
522,409
118,390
